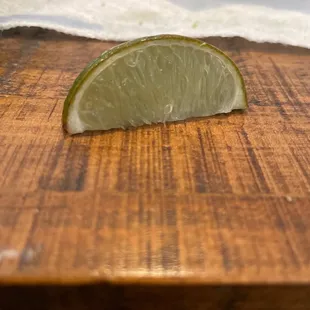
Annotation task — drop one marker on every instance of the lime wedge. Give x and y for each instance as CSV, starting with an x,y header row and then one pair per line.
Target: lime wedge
x,y
151,80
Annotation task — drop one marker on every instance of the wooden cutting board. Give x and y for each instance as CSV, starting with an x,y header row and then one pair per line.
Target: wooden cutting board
x,y
224,199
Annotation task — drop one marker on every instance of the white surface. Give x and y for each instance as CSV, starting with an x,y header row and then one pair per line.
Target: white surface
x,y
296,5
271,21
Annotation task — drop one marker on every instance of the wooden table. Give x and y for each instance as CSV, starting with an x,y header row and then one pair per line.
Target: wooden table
x,y
216,202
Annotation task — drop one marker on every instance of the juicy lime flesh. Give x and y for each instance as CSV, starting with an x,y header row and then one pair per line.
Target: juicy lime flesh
x,y
156,82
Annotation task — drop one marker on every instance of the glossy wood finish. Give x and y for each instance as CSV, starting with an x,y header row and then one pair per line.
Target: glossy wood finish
x,y
224,199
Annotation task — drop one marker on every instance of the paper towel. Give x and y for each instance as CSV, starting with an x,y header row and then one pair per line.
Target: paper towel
x,y
128,19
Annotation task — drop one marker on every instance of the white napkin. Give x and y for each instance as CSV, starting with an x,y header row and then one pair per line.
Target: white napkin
x,y
128,19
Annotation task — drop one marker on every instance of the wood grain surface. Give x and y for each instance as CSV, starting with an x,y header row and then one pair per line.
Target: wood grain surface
x,y
224,199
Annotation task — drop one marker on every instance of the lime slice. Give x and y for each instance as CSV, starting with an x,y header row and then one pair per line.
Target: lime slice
x,y
151,80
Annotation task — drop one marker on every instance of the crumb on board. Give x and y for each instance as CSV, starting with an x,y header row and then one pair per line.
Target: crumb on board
x,y
8,254
289,198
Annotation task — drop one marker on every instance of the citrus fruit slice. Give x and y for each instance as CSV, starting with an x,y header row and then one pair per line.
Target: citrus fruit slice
x,y
151,80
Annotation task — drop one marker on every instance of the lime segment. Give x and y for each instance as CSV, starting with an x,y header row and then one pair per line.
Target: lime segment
x,y
153,80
